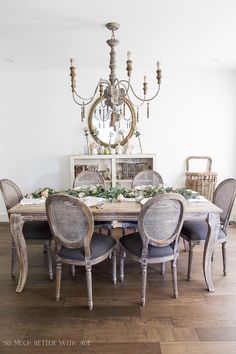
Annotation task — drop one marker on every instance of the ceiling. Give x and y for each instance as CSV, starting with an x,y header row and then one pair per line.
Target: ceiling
x,y
43,34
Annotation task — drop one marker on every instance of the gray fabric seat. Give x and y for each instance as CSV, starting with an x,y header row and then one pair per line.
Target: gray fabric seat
x,y
197,230
37,230
99,245
133,243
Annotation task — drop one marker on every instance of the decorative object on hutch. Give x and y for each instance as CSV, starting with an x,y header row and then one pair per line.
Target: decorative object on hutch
x,y
202,182
114,106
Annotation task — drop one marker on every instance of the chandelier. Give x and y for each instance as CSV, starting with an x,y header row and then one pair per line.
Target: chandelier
x,y
114,93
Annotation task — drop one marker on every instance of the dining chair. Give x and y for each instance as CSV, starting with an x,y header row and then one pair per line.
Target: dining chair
x,y
146,177
33,231
72,226
157,241
195,232
88,178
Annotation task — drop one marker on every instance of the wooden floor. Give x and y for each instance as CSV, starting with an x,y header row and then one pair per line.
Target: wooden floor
x,y
197,322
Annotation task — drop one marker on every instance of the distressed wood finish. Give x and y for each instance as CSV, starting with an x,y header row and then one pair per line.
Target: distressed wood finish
x,y
119,212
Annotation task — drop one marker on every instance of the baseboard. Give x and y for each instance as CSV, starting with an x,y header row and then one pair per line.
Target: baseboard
x,y
3,217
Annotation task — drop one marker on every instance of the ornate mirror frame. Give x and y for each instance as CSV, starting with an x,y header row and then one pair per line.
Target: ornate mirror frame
x,y
131,129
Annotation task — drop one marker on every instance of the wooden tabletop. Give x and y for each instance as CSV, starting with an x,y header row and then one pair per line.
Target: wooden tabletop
x,y
116,210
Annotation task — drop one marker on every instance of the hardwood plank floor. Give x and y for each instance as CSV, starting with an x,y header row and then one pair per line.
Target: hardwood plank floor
x,y
196,322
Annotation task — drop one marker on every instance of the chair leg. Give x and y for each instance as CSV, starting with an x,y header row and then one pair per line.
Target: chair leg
x,y
45,247
49,258
58,280
114,278
72,270
190,260
185,243
174,278
13,259
89,287
122,260
223,245
144,281
212,256
163,268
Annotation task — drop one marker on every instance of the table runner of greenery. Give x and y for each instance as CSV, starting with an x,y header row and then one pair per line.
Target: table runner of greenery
x,y
112,193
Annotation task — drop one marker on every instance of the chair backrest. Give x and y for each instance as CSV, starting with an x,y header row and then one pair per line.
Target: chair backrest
x,y
10,192
161,219
147,177
224,197
71,222
87,178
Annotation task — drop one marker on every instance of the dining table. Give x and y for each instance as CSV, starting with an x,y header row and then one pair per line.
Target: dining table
x,y
115,211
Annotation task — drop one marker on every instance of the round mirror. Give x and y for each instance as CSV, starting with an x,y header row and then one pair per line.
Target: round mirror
x,y
110,128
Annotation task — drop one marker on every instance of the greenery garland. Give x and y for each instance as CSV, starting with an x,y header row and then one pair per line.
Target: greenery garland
x,y
113,193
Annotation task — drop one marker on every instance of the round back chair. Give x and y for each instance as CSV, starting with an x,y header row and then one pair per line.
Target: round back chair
x,y
72,226
87,178
10,192
71,222
147,177
224,197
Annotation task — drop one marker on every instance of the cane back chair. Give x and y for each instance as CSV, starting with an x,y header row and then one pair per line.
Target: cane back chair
x,y
32,230
72,226
159,223
195,232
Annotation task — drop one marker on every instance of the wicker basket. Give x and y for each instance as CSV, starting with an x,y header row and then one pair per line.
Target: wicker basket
x,y
202,182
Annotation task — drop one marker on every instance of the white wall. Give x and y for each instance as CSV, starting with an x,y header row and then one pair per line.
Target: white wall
x,y
40,125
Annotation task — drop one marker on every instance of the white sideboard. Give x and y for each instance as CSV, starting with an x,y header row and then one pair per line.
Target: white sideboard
x,y
116,169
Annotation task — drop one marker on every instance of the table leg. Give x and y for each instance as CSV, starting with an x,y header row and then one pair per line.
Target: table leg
x,y
16,224
213,230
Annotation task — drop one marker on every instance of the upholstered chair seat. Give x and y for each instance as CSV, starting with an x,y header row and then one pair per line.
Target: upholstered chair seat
x,y
100,245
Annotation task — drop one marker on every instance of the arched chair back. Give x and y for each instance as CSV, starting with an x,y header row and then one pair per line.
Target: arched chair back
x,y
71,222
224,197
161,220
87,178
147,177
10,192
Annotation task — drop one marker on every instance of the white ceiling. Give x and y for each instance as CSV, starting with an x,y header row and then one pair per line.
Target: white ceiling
x,y
44,34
